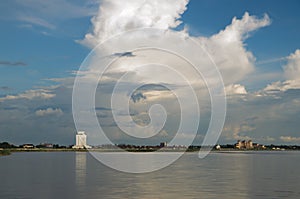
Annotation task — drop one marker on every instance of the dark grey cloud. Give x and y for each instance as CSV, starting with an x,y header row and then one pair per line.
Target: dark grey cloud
x,y
124,54
251,119
264,117
19,122
10,108
137,96
5,88
260,118
156,87
9,63
103,112
102,109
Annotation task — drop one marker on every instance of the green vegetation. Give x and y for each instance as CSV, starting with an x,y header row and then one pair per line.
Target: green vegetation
x,y
4,152
6,145
7,148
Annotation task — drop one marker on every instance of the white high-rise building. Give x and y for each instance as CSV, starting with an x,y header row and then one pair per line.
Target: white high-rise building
x,y
81,141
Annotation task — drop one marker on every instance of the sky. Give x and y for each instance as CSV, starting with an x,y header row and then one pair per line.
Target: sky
x,y
254,44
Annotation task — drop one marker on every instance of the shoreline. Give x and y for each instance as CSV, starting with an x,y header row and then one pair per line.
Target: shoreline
x,y
5,152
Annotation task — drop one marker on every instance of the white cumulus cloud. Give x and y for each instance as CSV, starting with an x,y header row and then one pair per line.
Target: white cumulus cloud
x,y
292,68
30,94
235,89
290,139
227,48
291,72
117,16
49,111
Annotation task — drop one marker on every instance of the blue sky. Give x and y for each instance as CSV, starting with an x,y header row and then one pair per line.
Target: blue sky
x,y
45,40
270,43
52,52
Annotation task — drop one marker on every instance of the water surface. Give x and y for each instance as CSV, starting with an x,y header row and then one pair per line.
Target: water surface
x,y
219,175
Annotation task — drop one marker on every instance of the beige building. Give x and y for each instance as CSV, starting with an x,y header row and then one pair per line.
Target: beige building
x,y
244,144
81,141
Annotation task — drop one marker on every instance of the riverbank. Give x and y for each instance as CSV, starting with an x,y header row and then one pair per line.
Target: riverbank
x,y
13,150
4,152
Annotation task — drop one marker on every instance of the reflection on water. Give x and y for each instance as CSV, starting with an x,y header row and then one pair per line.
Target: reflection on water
x,y
137,162
80,169
79,175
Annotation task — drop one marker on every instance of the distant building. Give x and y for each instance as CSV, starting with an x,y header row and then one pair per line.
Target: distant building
x,y
81,138
45,145
163,144
258,146
244,144
27,146
218,147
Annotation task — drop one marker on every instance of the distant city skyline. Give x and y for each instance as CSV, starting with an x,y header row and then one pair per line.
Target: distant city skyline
x,y
255,44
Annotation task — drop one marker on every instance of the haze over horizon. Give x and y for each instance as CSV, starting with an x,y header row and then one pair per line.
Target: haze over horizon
x,y
256,46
